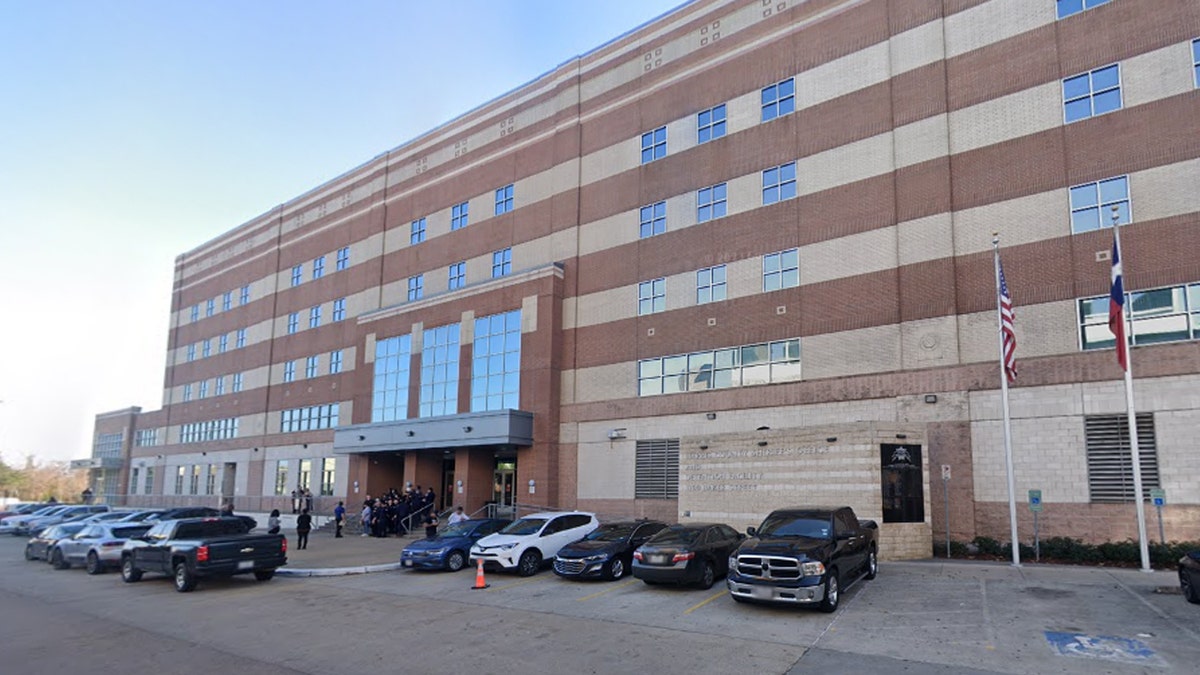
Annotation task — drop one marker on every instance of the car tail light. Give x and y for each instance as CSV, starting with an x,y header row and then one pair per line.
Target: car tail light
x,y
202,554
111,544
637,555
283,545
680,557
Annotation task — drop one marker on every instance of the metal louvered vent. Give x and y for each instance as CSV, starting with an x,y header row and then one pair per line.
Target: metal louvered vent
x,y
657,469
1110,467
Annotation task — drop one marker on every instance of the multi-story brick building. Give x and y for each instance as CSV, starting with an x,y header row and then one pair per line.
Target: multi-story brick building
x,y
737,258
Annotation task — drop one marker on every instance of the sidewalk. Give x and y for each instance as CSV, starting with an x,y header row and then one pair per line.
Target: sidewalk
x,y
327,555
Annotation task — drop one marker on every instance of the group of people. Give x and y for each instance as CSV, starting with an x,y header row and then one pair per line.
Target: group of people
x,y
388,514
302,500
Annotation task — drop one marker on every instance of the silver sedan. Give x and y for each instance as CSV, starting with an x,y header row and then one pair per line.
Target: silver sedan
x,y
97,546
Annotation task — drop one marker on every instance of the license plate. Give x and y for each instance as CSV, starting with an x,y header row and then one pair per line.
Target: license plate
x,y
658,559
760,592
245,564
406,563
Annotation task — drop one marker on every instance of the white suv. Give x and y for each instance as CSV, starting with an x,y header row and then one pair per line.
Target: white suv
x,y
525,543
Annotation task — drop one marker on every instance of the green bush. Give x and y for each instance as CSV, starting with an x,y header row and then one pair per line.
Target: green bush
x,y
988,546
1069,550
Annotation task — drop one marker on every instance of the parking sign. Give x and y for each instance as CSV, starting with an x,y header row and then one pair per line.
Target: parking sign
x,y
1035,500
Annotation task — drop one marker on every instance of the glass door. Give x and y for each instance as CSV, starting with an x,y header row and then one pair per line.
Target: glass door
x,y
503,494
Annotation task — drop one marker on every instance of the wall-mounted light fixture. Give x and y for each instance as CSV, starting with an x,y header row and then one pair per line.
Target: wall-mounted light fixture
x,y
532,486
763,428
931,398
703,446
410,432
831,439
306,446
761,443
711,415
614,434
902,436
467,429
362,438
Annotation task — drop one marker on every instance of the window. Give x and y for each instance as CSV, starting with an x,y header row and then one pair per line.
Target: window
x,y
656,469
241,338
652,296
1092,204
339,309
1196,61
343,258
416,287
187,393
310,367
223,343
305,474
220,386
210,482
653,219
458,275
327,473
227,301
459,216
203,389
244,295
195,313
1110,459
1168,314
289,371
281,476
496,369
146,437
297,274
779,99
210,307
710,124
654,145
318,270
710,203
314,317
191,352
206,348
212,430
710,284
1068,7
389,395
179,474
149,486
417,231
779,183
237,382
439,371
504,199
501,263
1092,94
763,363
194,484
781,270
335,362
293,322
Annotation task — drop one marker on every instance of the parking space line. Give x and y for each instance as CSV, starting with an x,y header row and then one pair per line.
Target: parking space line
x,y
696,607
610,588
515,583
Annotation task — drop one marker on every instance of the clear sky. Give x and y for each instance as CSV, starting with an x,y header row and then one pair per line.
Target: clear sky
x,y
132,131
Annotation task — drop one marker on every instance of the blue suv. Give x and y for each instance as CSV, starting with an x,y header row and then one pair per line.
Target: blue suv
x,y
448,550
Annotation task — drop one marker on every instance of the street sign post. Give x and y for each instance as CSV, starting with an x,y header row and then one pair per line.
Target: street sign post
x,y
1159,497
1035,505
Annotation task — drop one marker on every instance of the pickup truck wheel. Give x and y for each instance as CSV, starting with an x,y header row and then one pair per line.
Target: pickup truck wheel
x,y
185,580
707,576
29,552
529,564
58,561
832,592
264,575
455,561
129,573
872,564
93,563
615,569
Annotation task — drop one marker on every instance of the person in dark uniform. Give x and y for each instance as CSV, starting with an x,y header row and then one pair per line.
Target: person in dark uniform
x,y
303,527
431,524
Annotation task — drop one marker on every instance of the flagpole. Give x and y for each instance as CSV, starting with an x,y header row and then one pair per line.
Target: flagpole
x,y
1135,455
1008,457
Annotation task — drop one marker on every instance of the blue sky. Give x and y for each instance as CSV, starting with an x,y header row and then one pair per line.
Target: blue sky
x,y
133,131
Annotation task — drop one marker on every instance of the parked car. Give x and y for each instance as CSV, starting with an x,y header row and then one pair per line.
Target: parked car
x,y
194,548
450,549
13,524
1189,576
526,543
67,513
695,553
198,512
21,509
40,544
606,551
103,517
97,546
141,516
804,555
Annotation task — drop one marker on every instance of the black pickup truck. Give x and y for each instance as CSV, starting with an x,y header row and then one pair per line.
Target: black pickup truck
x,y
192,548
804,556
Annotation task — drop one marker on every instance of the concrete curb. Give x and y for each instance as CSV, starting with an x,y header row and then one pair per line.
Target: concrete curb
x,y
337,571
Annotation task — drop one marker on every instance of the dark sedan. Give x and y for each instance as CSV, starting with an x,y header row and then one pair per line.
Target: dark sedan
x,y
686,554
449,550
606,552
1189,576
39,546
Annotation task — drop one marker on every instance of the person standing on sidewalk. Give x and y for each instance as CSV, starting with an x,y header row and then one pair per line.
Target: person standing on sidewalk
x,y
303,527
339,519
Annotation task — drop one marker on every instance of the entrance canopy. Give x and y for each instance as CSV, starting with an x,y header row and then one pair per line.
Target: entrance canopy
x,y
498,427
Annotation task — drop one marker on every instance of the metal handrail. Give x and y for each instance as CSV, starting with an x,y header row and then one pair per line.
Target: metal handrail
x,y
408,520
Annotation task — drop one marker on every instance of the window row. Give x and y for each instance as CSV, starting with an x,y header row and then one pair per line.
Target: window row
x,y
311,366
1169,314
311,418
304,477
764,363
145,438
460,214
201,388
211,430
135,480
210,305
456,276
314,316
779,270
192,476
205,347
341,262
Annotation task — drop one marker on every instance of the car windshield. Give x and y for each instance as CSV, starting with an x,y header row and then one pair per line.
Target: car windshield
x,y
457,530
128,532
525,526
610,533
783,525
675,536
55,532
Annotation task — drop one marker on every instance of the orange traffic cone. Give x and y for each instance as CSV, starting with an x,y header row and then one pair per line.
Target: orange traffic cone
x,y
479,582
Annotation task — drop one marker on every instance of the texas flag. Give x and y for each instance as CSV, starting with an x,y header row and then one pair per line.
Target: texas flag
x,y
1116,306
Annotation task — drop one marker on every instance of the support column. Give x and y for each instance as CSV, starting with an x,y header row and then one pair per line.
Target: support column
x,y
475,467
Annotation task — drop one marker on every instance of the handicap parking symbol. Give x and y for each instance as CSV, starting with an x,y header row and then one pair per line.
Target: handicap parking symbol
x,y
1105,647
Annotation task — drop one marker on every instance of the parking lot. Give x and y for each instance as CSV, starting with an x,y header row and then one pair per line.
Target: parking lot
x,y
922,617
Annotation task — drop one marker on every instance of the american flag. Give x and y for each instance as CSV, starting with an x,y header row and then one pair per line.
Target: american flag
x,y
1116,306
1007,330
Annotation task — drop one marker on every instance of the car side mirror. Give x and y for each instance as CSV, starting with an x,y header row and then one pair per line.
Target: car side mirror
x,y
751,531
